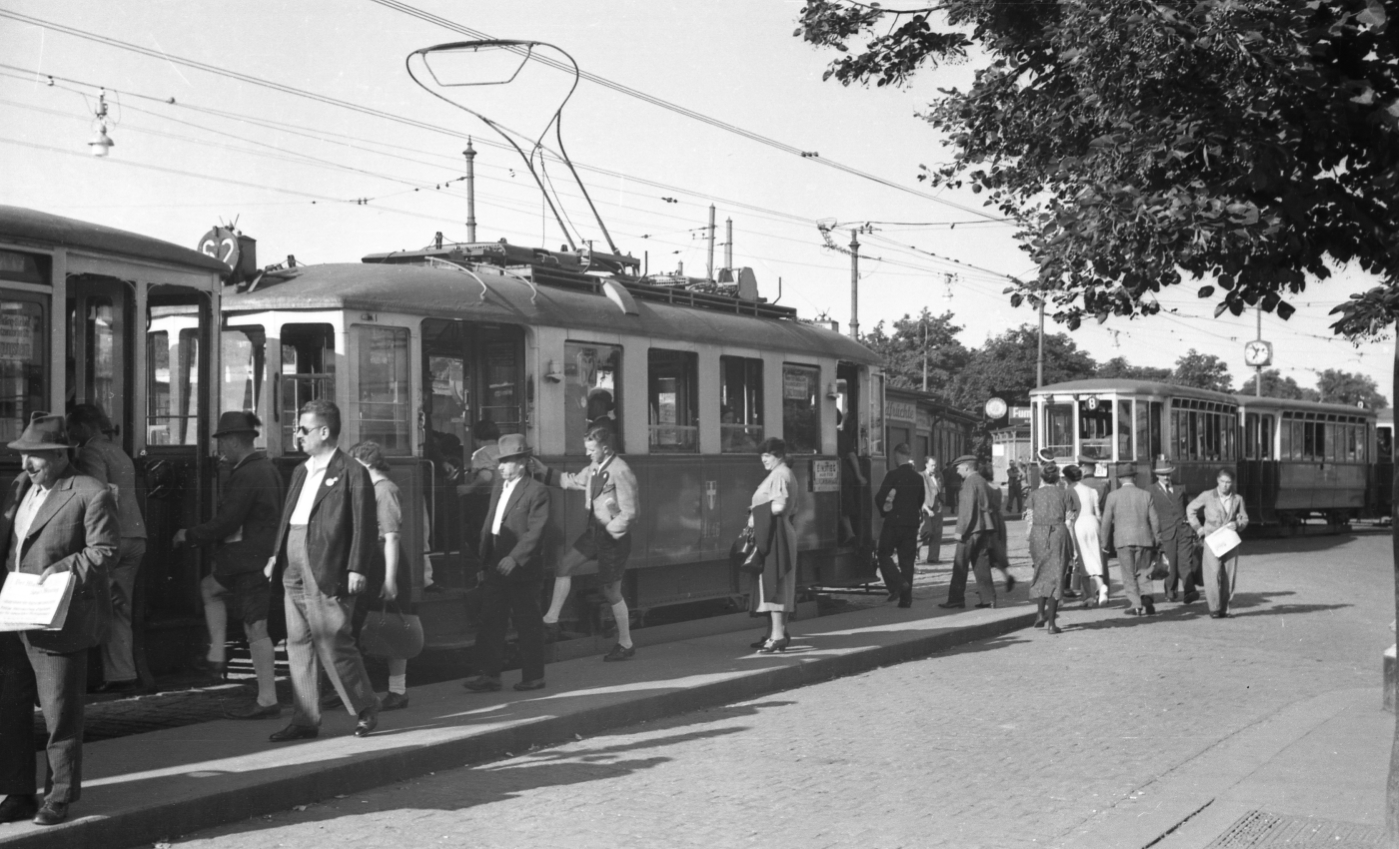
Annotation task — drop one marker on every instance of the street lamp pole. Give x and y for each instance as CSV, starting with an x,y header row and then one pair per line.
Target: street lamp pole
x,y
854,285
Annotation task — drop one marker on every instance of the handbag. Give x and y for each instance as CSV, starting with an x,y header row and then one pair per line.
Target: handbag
x,y
744,554
392,633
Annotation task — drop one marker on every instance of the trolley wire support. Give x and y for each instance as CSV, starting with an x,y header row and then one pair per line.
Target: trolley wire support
x,y
534,157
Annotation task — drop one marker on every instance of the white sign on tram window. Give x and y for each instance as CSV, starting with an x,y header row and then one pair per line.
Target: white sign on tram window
x,y
825,476
795,385
16,337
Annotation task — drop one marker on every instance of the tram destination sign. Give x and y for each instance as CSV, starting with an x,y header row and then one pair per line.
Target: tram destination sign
x,y
825,476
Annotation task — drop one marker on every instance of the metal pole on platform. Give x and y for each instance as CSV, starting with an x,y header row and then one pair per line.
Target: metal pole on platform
x,y
470,154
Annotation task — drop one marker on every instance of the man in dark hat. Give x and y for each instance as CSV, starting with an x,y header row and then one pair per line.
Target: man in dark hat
x,y
54,521
328,543
512,577
1177,538
242,533
900,502
1131,525
976,529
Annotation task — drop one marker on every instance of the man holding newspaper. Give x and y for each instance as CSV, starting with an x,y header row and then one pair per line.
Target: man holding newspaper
x,y
1218,515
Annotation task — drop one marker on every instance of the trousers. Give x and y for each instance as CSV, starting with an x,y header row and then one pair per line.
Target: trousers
x,y
903,541
931,536
1134,562
972,556
1219,579
1179,552
118,664
59,681
501,601
319,634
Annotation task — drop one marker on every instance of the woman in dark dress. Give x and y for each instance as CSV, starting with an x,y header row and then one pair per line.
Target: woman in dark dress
x,y
1049,514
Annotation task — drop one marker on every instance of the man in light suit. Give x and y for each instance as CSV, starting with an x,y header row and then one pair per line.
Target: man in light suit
x,y
513,571
54,521
328,545
1177,539
1218,508
1131,525
976,531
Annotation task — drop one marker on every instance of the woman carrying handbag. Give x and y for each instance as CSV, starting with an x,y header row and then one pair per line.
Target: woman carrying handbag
x,y
770,516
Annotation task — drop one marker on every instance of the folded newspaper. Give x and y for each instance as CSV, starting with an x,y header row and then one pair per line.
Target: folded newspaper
x,y
1223,541
27,605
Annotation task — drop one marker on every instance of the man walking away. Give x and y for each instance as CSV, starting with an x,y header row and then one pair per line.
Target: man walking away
x,y
900,502
1177,537
328,545
976,528
101,458
243,533
1131,525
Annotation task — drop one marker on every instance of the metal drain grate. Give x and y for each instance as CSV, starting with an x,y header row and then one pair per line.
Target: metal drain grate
x,y
1262,829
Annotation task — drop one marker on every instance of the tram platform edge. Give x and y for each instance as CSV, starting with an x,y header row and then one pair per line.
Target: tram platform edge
x,y
150,788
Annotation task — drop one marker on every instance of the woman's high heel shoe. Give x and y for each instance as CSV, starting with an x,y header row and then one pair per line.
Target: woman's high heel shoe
x,y
771,646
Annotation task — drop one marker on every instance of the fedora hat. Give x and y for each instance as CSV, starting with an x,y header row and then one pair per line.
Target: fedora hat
x,y
236,421
1126,467
1045,455
1164,469
965,458
512,445
45,432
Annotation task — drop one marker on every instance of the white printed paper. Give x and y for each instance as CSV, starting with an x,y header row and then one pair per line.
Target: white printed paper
x,y
1222,541
27,605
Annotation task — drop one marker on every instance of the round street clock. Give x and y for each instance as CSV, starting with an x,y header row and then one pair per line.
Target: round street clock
x,y
1258,353
995,408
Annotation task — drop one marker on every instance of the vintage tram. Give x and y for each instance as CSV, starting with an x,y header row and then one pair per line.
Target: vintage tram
x,y
96,314
1295,460
419,347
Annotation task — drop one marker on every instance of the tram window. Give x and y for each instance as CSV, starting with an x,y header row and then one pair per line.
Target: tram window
x,y
1124,430
101,335
172,375
382,387
1059,426
1251,436
1384,444
740,404
801,415
876,421
592,391
1333,442
308,372
23,361
1265,437
1153,423
673,390
1095,429
451,409
500,383
244,359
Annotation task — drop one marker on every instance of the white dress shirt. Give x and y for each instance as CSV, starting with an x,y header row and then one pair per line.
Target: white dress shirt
x,y
505,491
315,475
24,517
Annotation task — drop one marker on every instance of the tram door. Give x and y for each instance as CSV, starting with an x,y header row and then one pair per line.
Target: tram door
x,y
855,507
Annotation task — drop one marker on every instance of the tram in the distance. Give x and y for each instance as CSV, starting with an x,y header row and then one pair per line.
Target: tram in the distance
x,y
95,314
1295,461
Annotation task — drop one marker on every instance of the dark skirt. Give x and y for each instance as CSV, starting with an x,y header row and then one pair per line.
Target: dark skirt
x,y
1051,552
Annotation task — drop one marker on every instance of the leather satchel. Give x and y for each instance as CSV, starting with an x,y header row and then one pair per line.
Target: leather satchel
x,y
392,633
744,553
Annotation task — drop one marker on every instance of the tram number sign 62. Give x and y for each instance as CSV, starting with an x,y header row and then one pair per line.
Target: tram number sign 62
x,y
221,243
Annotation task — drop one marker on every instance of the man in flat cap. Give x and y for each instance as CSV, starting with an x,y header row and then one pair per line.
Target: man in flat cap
x,y
54,521
1131,525
976,529
1177,537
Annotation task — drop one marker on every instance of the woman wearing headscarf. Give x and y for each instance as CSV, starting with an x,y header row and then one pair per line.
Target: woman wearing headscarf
x,y
1049,513
770,516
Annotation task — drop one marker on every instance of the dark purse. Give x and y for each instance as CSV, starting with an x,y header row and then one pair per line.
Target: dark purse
x,y
392,633
744,554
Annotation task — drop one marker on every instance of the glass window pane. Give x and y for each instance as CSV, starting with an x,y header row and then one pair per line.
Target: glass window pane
x,y
1059,429
308,372
592,391
740,404
101,372
172,375
1124,430
673,399
801,421
244,359
1095,429
501,385
876,421
382,389
24,356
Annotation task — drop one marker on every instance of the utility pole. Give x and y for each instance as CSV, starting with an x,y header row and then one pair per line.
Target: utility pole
x,y
854,285
711,241
1039,362
925,350
1258,370
729,243
470,154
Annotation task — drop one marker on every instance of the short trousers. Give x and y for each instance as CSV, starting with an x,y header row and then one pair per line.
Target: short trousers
x,y
595,543
248,595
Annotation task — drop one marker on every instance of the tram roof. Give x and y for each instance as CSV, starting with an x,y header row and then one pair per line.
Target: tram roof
x,y
1254,402
43,229
1124,386
438,292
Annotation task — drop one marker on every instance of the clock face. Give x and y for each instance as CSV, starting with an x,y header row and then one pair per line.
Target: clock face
x,y
995,408
1258,353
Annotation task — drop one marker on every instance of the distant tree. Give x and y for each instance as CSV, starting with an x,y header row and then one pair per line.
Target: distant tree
x,y
903,347
1119,367
1202,371
1277,386
1343,387
1006,364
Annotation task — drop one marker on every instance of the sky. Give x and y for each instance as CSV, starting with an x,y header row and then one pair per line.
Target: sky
x,y
359,158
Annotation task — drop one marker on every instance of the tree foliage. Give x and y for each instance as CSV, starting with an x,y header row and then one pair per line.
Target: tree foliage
x,y
1277,386
1139,143
904,346
1006,365
1120,368
1203,371
1343,387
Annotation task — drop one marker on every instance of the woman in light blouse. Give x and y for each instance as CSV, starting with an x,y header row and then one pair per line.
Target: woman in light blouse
x,y
770,515
1218,508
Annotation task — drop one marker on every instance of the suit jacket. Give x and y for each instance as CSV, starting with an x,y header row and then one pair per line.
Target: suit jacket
x,y
1170,508
614,502
250,509
974,512
76,530
521,534
1130,518
907,485
103,459
342,535
1207,514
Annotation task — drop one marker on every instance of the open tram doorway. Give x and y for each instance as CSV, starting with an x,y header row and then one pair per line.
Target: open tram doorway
x,y
474,391
852,446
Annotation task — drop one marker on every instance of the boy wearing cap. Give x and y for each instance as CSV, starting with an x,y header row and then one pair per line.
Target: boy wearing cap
x,y
55,520
243,533
976,529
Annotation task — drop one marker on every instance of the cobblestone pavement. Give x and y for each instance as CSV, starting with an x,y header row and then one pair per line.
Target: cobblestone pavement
x,y
1012,742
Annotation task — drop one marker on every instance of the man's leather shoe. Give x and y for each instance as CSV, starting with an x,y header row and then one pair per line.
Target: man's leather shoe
x,y
368,720
1191,597
254,711
986,604
18,806
950,605
1218,614
52,813
393,701
295,732
531,684
905,604
1010,583
482,684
